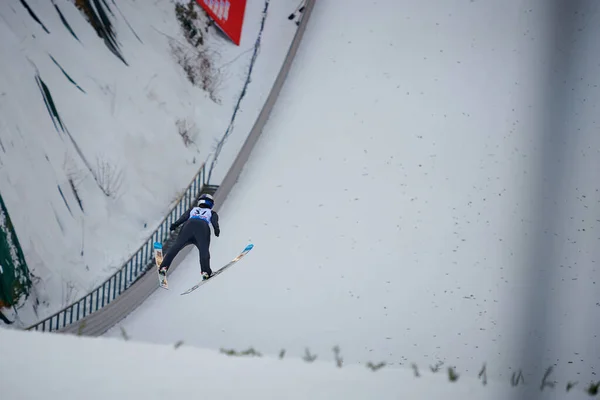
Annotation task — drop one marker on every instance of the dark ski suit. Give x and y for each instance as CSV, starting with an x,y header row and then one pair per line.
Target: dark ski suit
x,y
195,231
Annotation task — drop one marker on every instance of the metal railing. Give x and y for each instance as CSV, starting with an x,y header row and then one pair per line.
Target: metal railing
x,y
139,263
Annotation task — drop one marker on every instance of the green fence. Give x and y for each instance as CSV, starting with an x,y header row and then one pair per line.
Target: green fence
x,y
14,274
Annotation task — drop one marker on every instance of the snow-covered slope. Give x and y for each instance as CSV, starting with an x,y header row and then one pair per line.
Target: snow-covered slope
x,y
424,191
101,368
119,129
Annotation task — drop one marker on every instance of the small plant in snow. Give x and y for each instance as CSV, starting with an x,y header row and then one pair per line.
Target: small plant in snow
x,y
415,369
188,17
571,385
69,293
339,361
196,61
109,178
516,378
74,174
309,357
229,352
483,375
80,328
592,390
187,130
375,367
249,352
124,334
545,381
452,375
198,68
436,367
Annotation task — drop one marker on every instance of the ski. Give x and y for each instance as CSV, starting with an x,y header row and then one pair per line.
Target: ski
x,y
158,256
229,264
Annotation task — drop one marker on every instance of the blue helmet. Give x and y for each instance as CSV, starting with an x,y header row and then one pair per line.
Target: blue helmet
x,y
206,201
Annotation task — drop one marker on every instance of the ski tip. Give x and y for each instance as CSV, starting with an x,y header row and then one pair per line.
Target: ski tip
x,y
157,245
249,247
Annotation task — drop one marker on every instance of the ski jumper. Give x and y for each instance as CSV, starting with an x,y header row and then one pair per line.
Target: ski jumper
x,y
196,231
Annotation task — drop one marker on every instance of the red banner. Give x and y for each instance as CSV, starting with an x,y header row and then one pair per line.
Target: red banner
x,y
228,15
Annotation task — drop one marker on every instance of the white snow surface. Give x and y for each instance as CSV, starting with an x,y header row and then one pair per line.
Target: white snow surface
x,y
126,118
100,368
425,191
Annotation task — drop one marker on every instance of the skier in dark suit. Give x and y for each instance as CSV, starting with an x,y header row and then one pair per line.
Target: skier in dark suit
x,y
196,231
